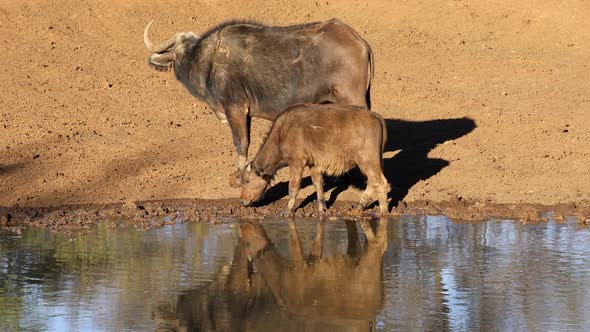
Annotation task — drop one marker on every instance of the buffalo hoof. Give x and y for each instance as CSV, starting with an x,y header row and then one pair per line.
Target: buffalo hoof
x,y
235,180
324,213
383,212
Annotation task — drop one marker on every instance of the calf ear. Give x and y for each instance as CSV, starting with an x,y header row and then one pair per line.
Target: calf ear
x,y
248,167
236,179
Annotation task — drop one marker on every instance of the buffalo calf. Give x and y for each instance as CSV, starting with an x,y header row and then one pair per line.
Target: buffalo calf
x,y
329,139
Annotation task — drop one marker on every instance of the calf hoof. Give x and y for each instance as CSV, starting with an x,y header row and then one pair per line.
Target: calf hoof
x,y
360,207
322,208
235,180
287,214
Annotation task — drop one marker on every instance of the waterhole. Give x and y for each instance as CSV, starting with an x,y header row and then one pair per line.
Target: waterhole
x,y
410,273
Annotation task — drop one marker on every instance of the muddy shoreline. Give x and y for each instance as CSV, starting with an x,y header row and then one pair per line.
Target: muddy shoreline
x,y
149,214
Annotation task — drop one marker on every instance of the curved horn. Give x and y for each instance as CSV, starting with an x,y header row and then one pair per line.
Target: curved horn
x,y
164,46
146,37
167,44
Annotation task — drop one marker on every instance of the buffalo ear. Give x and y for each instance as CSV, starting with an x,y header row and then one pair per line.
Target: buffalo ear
x,y
248,167
165,54
162,61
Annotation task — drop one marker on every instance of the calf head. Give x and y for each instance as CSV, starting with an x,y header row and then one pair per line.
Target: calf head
x,y
253,186
253,238
167,53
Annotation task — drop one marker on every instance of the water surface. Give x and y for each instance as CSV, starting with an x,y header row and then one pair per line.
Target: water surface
x,y
410,273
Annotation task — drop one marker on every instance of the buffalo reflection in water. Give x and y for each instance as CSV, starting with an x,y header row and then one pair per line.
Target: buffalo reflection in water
x,y
262,291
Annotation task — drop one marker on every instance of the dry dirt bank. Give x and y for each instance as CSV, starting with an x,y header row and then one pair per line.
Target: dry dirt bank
x,y
486,101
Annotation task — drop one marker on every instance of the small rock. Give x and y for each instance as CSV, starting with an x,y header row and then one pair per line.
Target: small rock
x,y
16,230
558,217
4,219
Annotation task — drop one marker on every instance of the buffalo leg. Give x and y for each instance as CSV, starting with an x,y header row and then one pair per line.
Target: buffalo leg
x,y
294,184
318,182
239,123
346,95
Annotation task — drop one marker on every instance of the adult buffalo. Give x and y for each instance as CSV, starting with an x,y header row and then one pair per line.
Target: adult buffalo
x,y
246,69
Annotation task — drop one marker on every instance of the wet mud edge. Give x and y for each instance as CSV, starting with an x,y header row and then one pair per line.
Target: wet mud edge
x,y
149,214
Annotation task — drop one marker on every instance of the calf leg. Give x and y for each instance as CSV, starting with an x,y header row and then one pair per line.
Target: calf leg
x,y
318,182
354,245
376,181
239,123
317,246
382,191
294,184
380,186
366,226
366,197
297,259
296,274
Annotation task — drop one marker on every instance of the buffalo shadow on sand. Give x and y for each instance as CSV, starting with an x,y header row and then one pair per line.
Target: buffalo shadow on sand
x,y
6,169
414,139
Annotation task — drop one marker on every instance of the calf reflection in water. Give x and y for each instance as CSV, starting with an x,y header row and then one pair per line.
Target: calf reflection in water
x,y
262,291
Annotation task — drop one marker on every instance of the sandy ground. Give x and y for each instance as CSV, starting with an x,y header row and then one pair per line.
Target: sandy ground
x,y
487,102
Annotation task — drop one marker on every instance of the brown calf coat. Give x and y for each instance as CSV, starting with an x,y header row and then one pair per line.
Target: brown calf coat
x,y
329,139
